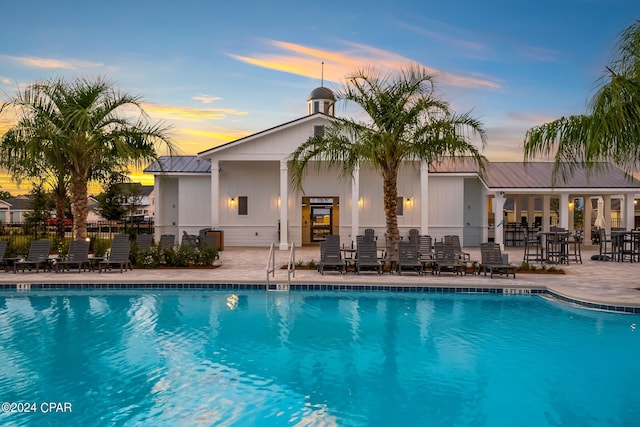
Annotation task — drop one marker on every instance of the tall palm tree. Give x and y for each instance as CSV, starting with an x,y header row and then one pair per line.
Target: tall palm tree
x,y
23,168
405,121
81,130
611,132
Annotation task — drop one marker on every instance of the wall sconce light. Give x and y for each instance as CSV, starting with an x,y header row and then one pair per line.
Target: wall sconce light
x,y
278,202
409,202
231,202
571,204
635,201
360,203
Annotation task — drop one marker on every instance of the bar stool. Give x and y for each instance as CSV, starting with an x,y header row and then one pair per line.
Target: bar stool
x,y
574,242
532,247
557,247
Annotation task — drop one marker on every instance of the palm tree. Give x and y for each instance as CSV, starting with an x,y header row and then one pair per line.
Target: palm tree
x,y
611,132
81,131
406,121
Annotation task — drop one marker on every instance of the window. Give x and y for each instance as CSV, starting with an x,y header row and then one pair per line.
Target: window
x,y
243,208
400,206
318,130
316,106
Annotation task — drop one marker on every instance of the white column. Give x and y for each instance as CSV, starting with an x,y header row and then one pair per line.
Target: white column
x,y
157,213
546,212
355,197
284,205
517,209
531,210
564,210
572,214
498,210
587,217
424,198
215,194
629,212
607,213
484,215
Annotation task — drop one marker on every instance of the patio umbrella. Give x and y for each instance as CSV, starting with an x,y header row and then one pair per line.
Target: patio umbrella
x,y
600,222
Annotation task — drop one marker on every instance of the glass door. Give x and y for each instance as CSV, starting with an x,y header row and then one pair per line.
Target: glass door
x,y
320,222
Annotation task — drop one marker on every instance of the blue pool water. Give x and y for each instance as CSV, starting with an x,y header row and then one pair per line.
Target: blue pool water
x,y
314,359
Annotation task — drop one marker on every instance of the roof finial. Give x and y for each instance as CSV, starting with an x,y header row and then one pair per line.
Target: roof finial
x,y
322,75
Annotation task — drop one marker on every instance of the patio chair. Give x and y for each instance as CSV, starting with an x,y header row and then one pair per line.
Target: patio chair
x,y
425,250
367,256
370,232
330,256
167,241
446,259
454,241
574,243
414,233
3,251
143,242
492,260
408,258
532,247
605,244
38,257
119,255
78,256
189,239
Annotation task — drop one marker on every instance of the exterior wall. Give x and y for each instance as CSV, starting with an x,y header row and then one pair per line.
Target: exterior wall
x,y
260,183
274,146
446,201
474,226
167,205
323,183
372,194
194,198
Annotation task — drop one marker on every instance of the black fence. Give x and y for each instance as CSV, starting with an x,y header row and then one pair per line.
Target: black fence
x,y
20,235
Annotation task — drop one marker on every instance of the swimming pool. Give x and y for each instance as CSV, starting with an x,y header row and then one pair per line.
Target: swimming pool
x,y
313,358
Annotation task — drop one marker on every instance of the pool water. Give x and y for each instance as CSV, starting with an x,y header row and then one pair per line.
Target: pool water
x,y
253,358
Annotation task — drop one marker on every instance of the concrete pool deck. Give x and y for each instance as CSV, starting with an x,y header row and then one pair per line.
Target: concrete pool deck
x,y
599,282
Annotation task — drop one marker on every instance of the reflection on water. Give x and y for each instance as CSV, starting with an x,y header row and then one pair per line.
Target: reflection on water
x,y
256,358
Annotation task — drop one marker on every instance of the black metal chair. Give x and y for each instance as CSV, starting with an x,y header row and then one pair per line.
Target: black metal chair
x,y
532,247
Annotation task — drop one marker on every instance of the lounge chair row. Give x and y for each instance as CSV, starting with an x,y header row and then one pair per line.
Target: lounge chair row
x,y
39,257
445,256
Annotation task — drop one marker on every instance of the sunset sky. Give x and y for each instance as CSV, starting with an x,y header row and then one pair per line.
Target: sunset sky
x,y
216,71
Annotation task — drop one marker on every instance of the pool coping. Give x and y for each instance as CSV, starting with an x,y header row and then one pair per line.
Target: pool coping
x,y
514,289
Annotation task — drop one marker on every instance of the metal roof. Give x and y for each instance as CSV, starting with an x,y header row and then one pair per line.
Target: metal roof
x,y
498,175
179,164
322,93
538,175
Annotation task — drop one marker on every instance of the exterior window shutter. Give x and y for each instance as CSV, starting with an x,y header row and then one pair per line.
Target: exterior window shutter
x,y
243,207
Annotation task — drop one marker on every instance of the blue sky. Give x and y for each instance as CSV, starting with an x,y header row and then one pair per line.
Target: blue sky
x,y
217,71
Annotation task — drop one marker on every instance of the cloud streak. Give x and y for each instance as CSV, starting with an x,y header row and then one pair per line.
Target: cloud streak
x,y
304,61
189,113
206,99
52,63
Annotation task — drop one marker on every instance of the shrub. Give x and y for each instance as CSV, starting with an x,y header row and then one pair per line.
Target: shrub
x,y
99,246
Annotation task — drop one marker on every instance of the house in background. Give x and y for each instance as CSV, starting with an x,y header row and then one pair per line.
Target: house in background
x,y
16,208
4,211
138,200
243,189
93,214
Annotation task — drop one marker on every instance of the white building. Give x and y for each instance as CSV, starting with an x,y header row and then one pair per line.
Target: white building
x,y
243,188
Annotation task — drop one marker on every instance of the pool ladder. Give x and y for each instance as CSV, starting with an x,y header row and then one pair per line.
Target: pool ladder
x,y
271,269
